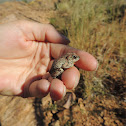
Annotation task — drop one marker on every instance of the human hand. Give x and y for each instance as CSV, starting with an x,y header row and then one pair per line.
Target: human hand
x,y
27,50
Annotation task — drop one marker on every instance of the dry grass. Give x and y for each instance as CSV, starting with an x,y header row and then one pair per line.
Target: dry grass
x,y
98,27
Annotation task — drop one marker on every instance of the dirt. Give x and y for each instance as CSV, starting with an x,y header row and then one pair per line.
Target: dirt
x,y
21,10
17,111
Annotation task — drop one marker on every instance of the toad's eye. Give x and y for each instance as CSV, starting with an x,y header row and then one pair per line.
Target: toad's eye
x,y
74,57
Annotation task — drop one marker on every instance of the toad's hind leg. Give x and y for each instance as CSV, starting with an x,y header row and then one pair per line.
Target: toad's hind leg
x,y
57,72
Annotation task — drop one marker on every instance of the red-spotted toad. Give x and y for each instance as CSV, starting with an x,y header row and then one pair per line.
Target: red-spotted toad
x,y
62,63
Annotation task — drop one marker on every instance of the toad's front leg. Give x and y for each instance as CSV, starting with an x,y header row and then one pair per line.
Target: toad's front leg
x,y
57,72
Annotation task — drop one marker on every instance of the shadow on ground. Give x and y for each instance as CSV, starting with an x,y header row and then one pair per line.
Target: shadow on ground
x,y
38,112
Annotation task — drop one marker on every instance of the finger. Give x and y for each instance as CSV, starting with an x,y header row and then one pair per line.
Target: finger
x,y
42,32
39,88
70,77
86,61
57,89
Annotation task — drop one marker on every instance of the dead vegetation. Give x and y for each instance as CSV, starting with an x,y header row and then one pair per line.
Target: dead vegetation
x,y
98,27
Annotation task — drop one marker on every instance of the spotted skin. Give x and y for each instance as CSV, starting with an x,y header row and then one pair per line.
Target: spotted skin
x,y
62,63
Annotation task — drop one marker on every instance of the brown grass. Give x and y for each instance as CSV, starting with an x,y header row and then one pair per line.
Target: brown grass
x,y
98,27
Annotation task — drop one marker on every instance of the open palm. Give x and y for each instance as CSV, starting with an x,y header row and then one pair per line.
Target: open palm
x,y
27,50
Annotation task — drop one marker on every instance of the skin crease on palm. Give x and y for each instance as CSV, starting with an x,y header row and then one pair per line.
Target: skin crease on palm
x,y
27,50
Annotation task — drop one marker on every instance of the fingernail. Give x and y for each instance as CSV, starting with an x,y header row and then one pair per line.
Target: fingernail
x,y
67,40
76,82
64,91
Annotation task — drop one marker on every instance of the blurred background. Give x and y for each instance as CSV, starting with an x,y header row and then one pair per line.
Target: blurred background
x,y
1,1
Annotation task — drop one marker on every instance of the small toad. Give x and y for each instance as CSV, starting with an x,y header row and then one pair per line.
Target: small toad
x,y
62,63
